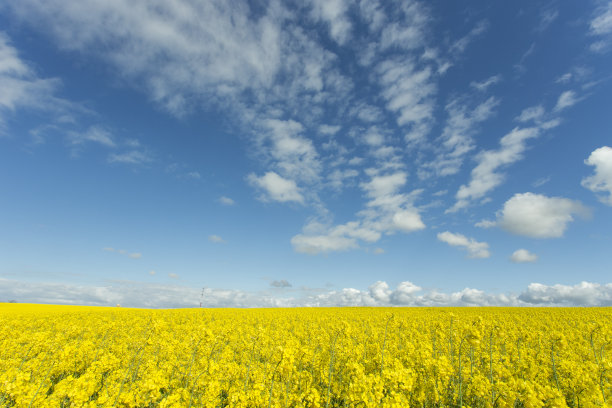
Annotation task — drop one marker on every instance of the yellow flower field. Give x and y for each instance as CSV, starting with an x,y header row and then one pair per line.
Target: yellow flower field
x,y
67,356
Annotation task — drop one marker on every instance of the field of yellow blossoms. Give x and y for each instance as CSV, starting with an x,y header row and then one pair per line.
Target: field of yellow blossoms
x,y
66,356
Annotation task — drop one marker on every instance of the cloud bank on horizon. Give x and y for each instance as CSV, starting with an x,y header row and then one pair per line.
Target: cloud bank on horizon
x,y
227,141
135,294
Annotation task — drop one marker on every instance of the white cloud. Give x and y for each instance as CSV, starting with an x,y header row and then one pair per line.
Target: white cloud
x,y
485,176
547,17
366,113
380,292
277,188
485,224
566,99
333,12
485,84
195,175
404,28
315,244
601,26
95,134
293,155
133,255
329,129
457,135
582,294
407,221
522,256
409,93
384,185
538,216
138,294
216,239
378,251
534,113
474,248
541,181
601,181
22,88
565,78
132,157
461,44
339,178
387,212
226,201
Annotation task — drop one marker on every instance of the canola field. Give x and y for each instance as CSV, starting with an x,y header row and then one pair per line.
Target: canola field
x,y
66,356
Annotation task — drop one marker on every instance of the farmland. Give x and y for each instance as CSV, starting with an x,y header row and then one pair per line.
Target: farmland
x,y
69,356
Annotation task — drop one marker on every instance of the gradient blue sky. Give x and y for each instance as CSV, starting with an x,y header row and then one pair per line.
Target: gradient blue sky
x,y
327,152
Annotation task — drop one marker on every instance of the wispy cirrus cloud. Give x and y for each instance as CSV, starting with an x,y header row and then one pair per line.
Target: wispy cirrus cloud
x,y
601,28
485,176
23,88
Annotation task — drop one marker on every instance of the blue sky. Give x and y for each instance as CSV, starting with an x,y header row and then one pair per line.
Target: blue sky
x,y
281,153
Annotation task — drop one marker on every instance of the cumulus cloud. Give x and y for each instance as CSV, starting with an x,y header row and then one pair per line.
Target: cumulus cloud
x,y
601,181
522,256
277,188
474,248
582,294
406,293
388,211
384,185
539,216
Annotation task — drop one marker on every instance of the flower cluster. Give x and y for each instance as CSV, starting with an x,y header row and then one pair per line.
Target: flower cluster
x,y
66,356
